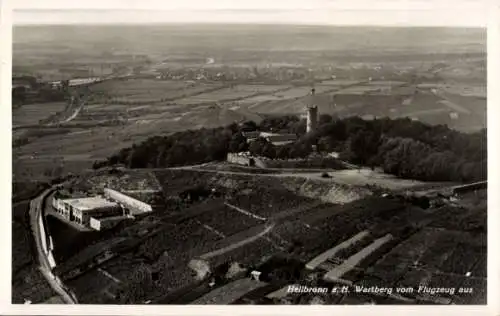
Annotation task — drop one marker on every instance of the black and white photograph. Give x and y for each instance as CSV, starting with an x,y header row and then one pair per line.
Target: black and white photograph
x,y
289,153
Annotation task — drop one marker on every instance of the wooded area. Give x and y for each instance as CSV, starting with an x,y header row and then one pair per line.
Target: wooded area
x,y
402,147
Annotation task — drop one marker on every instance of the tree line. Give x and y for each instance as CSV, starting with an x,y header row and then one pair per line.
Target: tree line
x,y
402,147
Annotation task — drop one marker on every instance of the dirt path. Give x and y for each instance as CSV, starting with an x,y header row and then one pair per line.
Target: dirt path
x,y
359,177
238,244
245,212
74,115
314,175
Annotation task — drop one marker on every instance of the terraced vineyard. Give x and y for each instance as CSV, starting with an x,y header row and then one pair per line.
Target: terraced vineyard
x,y
227,220
251,219
415,256
266,202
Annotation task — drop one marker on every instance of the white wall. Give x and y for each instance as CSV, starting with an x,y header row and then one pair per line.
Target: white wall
x,y
134,205
95,223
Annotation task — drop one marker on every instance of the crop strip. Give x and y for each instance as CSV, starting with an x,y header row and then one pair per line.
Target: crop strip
x,y
355,259
314,263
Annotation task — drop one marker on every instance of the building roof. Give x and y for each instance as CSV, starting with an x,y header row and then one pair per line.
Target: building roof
x,y
89,203
274,137
283,143
267,134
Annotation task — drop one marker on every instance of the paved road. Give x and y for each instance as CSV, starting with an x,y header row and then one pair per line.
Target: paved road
x,y
36,214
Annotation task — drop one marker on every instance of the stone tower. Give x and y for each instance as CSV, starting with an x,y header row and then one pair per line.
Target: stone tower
x,y
312,114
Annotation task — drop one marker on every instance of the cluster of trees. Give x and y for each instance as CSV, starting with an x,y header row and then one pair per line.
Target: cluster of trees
x,y
402,147
21,95
183,148
406,148
37,92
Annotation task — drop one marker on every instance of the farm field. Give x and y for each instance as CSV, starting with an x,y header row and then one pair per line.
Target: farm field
x,y
145,107
359,90
470,90
149,90
31,114
133,86
99,130
292,93
471,104
234,93
396,102
388,83
337,82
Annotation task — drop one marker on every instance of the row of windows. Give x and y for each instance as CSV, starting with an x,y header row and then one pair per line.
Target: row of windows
x,y
75,219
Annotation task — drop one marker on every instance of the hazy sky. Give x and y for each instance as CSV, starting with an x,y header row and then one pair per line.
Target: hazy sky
x,y
343,12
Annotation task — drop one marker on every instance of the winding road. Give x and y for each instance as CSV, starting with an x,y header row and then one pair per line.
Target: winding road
x,y
37,223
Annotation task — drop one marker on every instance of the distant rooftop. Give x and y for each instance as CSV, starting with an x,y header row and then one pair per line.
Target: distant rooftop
x,y
272,137
89,203
282,143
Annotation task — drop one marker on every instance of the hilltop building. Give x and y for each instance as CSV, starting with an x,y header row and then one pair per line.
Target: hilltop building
x,y
312,114
128,202
276,139
81,210
104,223
280,139
104,212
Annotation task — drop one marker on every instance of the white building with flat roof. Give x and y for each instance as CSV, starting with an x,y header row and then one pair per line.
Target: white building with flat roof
x,y
81,210
132,204
107,222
